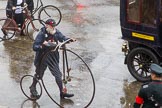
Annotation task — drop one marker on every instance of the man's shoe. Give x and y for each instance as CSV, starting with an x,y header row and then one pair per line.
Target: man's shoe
x,y
63,95
34,93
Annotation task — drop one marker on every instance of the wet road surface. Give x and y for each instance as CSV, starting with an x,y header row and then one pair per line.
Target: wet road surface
x,y
96,26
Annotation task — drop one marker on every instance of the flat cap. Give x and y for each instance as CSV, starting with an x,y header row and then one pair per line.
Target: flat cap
x,y
156,69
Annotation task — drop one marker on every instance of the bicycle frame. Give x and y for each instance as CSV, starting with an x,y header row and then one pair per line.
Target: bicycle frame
x,y
65,60
12,25
28,19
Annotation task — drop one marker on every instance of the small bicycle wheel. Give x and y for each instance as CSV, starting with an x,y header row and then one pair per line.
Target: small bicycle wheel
x,y
33,28
80,80
25,84
50,11
5,32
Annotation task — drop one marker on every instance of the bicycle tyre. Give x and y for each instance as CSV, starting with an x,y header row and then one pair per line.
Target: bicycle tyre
x,y
79,90
5,34
32,32
50,11
87,76
24,90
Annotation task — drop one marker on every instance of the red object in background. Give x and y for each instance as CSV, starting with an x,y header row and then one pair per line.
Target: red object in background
x,y
80,6
65,90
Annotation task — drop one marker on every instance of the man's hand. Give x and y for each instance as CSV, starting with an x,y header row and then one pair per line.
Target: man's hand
x,y
13,8
25,4
45,43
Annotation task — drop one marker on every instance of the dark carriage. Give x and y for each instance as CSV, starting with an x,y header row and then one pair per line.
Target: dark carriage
x,y
141,26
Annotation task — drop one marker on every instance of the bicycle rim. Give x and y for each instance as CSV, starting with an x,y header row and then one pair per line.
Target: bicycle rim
x,y
48,80
5,34
80,81
33,28
25,84
50,11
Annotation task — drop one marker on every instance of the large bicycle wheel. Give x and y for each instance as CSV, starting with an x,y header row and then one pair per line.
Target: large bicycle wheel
x,y
139,61
33,28
80,80
50,11
25,84
5,33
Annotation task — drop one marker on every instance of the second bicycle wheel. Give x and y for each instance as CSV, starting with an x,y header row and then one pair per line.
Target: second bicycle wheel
x,y
25,84
50,11
80,81
33,28
5,32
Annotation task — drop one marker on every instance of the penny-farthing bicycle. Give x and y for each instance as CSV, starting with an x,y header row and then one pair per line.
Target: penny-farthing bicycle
x,y
76,74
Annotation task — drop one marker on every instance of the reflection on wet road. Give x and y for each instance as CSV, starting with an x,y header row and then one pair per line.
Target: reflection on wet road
x,y
131,91
20,57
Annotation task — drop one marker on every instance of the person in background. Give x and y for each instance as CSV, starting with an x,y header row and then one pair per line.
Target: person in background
x,y
30,4
14,9
48,34
150,94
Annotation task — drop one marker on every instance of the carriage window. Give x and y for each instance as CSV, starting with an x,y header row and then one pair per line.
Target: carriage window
x,y
148,12
133,10
142,11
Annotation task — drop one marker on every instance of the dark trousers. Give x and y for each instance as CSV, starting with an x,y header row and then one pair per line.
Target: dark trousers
x,y
19,18
51,61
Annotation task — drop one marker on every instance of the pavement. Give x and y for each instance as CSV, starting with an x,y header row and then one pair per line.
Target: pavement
x,y
2,7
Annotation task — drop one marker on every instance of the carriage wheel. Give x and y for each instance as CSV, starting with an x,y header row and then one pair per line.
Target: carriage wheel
x,y
138,63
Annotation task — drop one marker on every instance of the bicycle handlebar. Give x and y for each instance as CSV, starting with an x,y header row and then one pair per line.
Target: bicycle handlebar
x,y
65,42
58,46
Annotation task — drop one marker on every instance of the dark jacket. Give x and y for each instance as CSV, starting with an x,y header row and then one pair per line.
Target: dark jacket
x,y
150,95
30,5
41,37
10,4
